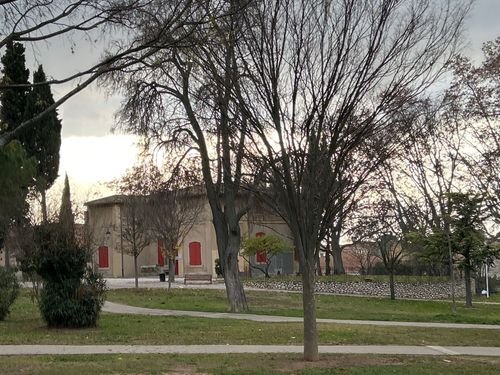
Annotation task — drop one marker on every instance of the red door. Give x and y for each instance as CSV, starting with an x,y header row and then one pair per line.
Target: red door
x,y
195,254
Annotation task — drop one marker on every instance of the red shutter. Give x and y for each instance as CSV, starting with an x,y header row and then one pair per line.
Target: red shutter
x,y
260,256
194,254
161,258
103,257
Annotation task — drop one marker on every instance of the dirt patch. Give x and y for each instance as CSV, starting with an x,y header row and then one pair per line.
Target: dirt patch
x,y
337,361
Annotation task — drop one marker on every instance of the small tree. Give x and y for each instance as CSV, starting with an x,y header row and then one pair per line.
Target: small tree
x,y
365,253
136,185
174,207
270,245
135,228
468,237
391,252
72,295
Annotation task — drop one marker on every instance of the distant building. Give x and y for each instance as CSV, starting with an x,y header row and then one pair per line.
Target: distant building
x,y
196,254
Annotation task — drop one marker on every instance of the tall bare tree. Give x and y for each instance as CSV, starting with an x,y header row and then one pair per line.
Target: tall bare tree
x,y
182,99
475,95
320,82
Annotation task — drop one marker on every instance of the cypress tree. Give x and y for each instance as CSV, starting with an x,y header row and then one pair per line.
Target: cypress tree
x,y
15,175
66,218
13,99
43,140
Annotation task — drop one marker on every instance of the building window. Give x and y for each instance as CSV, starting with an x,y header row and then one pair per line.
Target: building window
x,y
260,256
103,257
195,254
161,257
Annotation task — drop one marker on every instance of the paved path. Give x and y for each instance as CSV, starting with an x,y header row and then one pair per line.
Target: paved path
x,y
11,350
117,308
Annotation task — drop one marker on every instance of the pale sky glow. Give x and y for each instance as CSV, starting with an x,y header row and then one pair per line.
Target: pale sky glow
x,y
91,162
91,155
92,159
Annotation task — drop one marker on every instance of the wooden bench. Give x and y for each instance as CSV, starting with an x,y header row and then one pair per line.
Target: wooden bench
x,y
197,277
153,268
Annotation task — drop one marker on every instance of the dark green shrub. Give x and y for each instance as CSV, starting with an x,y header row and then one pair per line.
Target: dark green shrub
x,y
72,295
9,289
64,305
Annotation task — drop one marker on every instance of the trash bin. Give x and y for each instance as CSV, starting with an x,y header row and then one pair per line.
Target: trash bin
x,y
162,277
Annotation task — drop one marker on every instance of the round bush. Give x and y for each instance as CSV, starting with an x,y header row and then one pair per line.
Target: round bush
x,y
9,289
64,305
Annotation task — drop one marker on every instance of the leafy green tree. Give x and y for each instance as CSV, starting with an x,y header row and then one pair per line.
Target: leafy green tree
x,y
13,98
43,139
468,238
17,171
270,244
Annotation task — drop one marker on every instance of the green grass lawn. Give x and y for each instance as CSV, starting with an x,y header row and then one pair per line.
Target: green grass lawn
x,y
328,306
250,364
24,326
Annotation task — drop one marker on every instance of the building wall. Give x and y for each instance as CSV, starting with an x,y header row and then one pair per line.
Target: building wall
x,y
106,218
103,220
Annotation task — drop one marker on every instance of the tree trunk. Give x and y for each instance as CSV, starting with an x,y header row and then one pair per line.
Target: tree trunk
x,y
44,206
468,287
7,257
391,284
338,263
234,287
328,270
318,263
135,272
171,271
309,304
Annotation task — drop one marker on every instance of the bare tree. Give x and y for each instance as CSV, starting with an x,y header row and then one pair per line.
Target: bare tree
x,y
181,98
136,185
174,208
475,95
421,178
365,253
38,21
321,80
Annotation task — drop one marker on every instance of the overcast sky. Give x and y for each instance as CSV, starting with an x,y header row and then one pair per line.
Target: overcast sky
x,y
91,155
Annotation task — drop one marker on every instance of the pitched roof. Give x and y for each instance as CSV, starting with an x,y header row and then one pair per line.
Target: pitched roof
x,y
112,199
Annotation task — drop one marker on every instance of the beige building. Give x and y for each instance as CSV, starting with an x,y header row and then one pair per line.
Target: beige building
x,y
197,253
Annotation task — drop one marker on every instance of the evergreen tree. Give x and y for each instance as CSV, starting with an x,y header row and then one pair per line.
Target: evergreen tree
x,y
13,99
16,171
66,218
43,140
